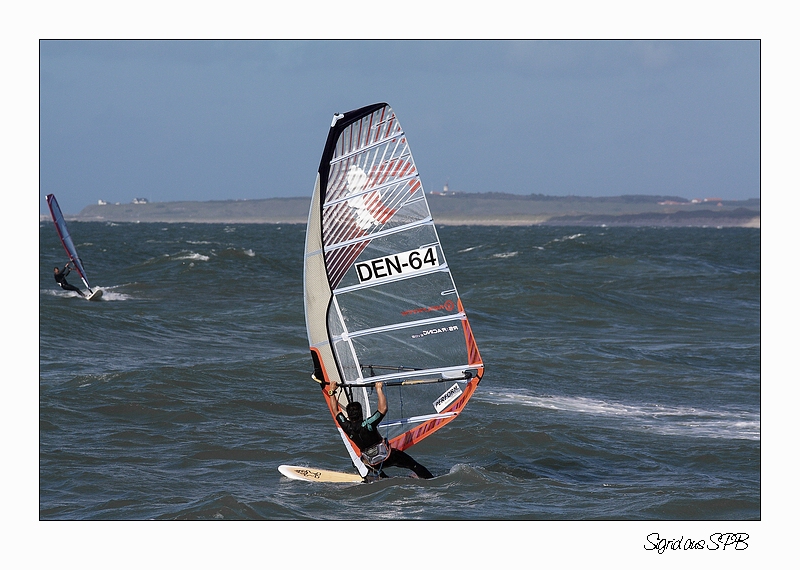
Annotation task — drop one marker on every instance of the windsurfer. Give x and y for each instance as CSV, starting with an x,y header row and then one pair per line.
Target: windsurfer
x,y
376,452
61,279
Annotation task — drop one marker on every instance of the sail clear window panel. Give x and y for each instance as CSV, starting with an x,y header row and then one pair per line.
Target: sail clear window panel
x,y
348,367
407,402
335,323
362,395
438,345
398,302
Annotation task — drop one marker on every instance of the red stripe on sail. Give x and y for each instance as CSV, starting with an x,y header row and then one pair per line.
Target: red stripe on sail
x,y
340,260
472,347
378,209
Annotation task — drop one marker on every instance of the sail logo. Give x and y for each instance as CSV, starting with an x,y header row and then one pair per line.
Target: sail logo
x,y
356,179
451,328
367,209
401,264
447,398
446,306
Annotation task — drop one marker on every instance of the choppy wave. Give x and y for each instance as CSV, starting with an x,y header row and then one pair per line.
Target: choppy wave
x,y
568,238
656,418
113,294
622,379
190,255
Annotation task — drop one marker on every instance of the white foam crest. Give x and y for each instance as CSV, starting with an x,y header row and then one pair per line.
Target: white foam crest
x,y
505,255
109,294
565,238
467,249
660,419
58,293
250,253
193,256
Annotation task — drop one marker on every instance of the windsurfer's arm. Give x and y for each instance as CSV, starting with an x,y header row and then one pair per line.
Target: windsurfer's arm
x,y
340,419
383,407
332,387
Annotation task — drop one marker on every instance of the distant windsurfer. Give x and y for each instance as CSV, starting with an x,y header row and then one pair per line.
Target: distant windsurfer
x,y
61,278
376,452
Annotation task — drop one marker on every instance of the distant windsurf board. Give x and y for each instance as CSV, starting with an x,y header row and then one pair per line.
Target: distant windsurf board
x,y
318,475
95,296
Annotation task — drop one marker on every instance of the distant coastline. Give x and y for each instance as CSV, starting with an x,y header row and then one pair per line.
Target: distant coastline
x,y
459,209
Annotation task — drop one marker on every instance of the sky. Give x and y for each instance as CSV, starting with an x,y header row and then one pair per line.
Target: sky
x,y
218,120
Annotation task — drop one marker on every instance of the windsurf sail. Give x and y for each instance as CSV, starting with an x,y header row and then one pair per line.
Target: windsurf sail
x,y
380,302
66,240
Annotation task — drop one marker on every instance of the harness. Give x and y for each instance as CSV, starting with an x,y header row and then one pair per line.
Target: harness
x,y
377,454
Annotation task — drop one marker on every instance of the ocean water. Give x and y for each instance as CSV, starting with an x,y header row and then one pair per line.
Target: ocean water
x,y
622,380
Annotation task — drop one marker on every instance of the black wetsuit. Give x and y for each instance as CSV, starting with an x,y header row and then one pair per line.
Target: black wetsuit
x,y
365,435
61,279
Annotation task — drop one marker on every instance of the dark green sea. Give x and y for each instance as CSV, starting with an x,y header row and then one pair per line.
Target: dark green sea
x,y
622,379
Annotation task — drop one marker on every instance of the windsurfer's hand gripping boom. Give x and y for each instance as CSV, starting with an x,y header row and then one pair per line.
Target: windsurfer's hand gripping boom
x,y
332,397
383,405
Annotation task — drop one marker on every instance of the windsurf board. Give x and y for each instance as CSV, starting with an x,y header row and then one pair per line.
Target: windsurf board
x,y
318,475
